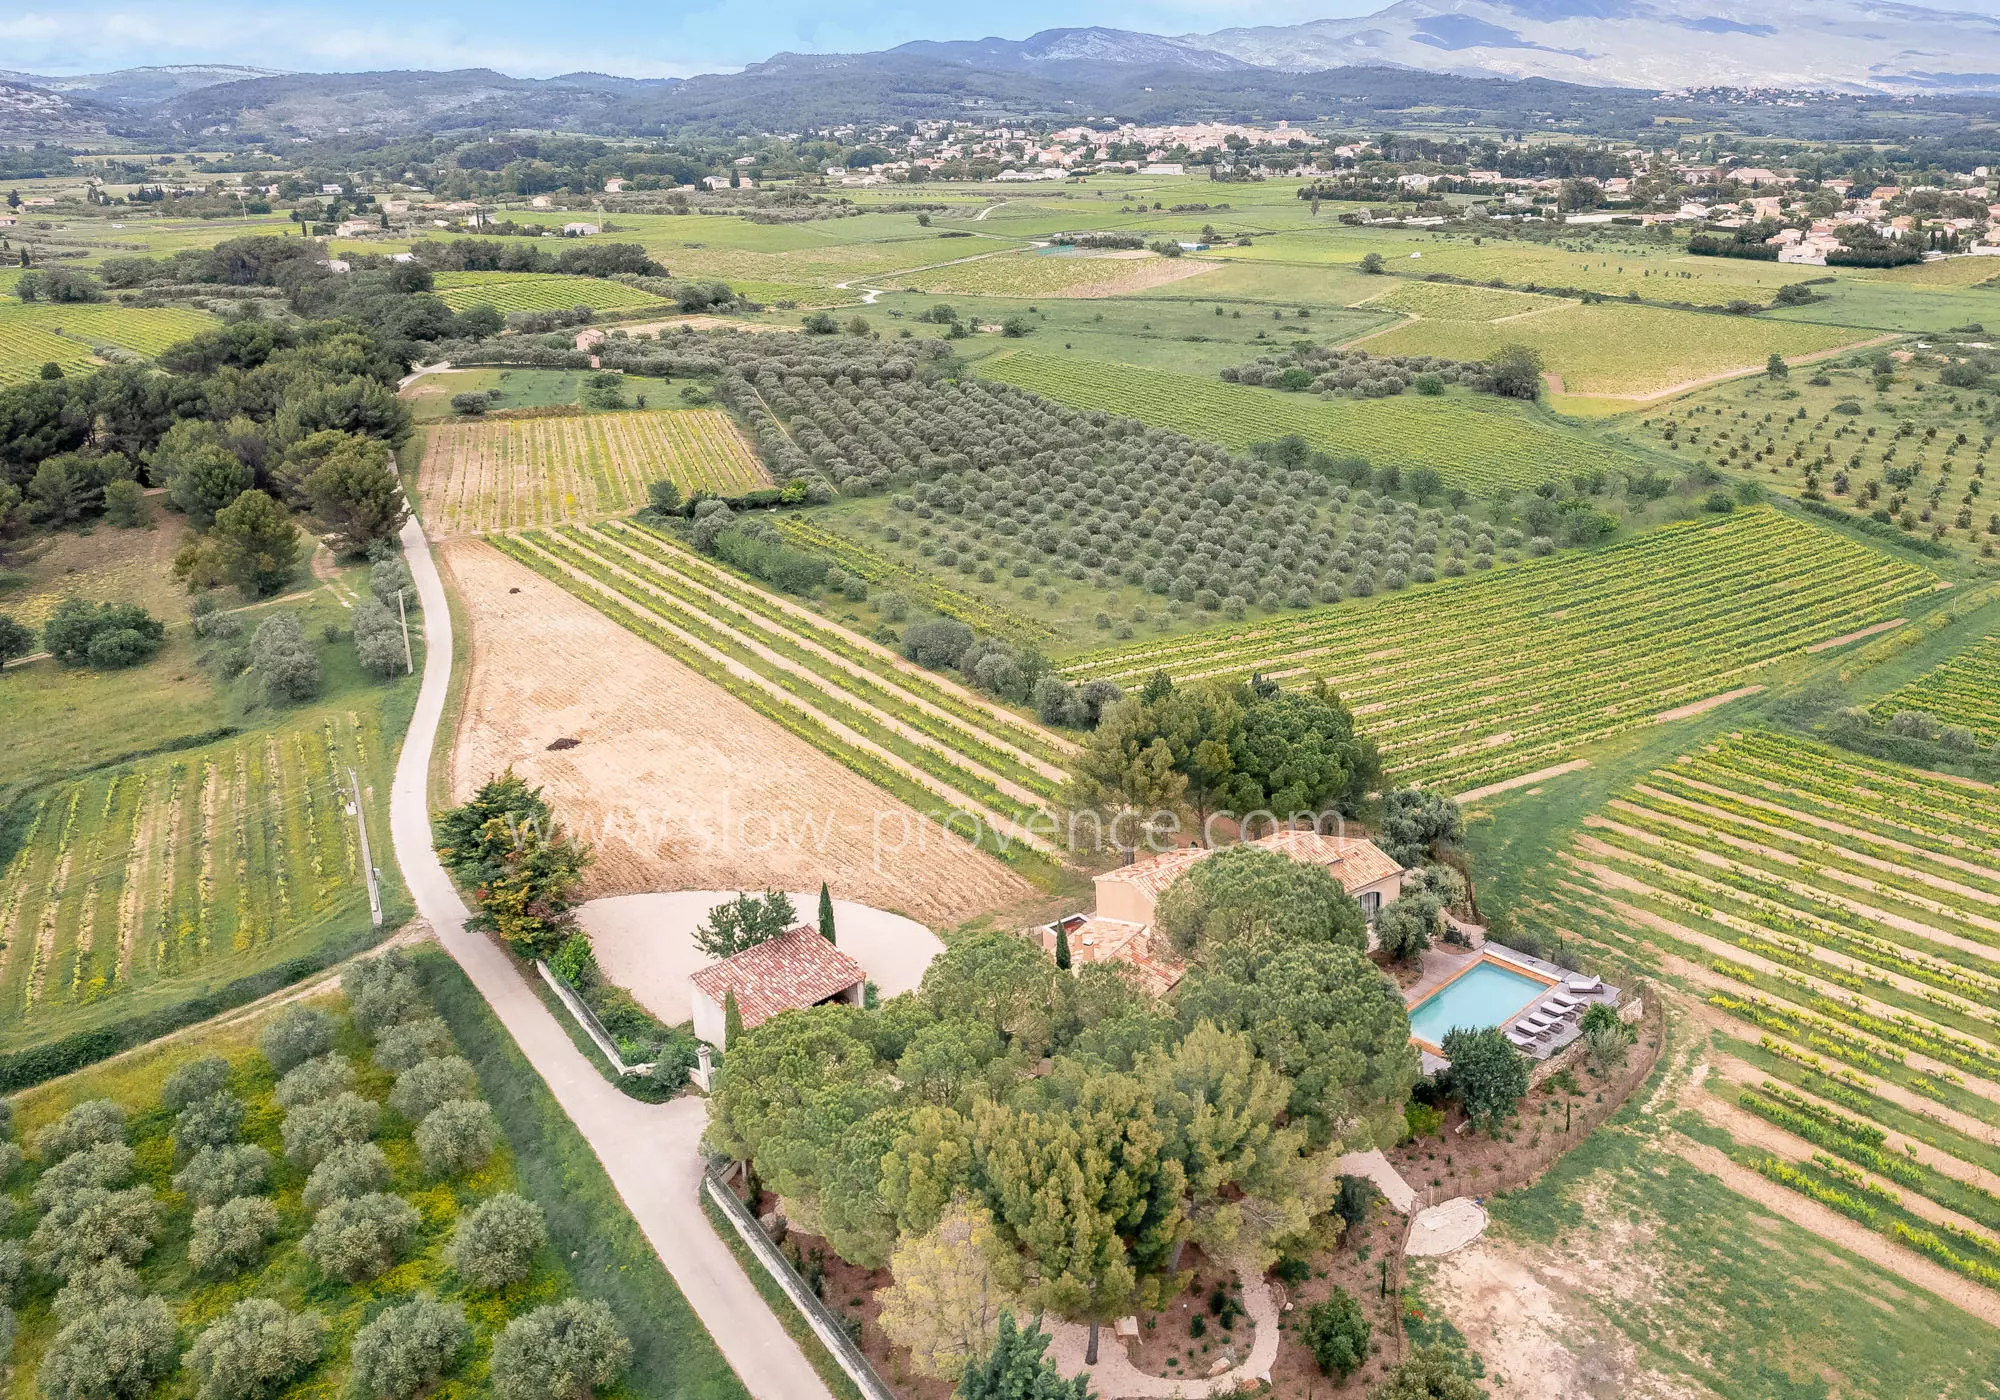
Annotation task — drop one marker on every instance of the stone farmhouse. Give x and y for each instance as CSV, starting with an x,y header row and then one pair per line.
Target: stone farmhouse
x,y
795,970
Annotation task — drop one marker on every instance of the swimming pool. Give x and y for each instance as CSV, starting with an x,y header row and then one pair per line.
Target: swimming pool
x,y
1486,995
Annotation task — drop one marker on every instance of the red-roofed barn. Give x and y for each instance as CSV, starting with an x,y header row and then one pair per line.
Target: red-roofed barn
x,y
787,973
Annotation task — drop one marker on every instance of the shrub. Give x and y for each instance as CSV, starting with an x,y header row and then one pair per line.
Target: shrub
x,y
456,1137
359,1169
564,1351
378,640
1405,927
424,1086
86,1125
109,1164
1337,1333
321,1077
254,1350
496,1244
1429,1373
287,667
92,1224
116,1352
406,1349
228,1238
299,1033
215,1121
404,1045
939,644
194,1081
359,1237
218,1174
105,635
380,993
313,1131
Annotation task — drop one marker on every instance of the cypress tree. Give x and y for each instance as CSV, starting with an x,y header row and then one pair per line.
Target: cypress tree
x,y
732,1018
1062,947
826,914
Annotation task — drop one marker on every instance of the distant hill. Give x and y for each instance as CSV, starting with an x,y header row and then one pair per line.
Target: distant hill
x,y
140,86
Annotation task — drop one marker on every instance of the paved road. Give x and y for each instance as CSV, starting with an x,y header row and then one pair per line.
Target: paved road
x,y
649,1150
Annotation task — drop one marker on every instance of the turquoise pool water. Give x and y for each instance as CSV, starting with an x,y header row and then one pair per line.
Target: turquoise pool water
x,y
1486,996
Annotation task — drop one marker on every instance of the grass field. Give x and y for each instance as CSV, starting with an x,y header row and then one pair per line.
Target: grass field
x,y
1479,442
1491,676
534,291
483,475
145,883
1833,916
1053,274
1611,348
1964,690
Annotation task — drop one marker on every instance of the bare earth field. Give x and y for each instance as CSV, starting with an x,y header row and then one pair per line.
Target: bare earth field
x,y
679,785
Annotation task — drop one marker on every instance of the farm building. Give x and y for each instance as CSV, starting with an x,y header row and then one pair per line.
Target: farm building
x,y
1121,929
787,973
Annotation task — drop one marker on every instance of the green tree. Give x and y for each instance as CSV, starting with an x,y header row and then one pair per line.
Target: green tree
x,y
826,929
1246,892
1062,947
1488,1075
732,1018
429,1083
254,1350
105,636
1419,824
298,1034
1297,754
456,1138
118,1351
356,494
407,1349
253,545
1336,1332
531,901
1371,263
200,472
561,1351
15,640
928,1167
359,1237
495,1245
473,840
1016,1369
1004,982
663,496
226,1239
1516,371
1405,926
1430,1373
284,663
952,1283
1323,1016
1776,368
746,921
314,1131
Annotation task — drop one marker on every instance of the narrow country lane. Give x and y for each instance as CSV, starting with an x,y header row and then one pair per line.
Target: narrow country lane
x,y
650,1151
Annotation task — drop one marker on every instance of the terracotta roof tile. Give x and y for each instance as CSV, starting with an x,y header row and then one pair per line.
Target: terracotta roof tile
x,y
794,970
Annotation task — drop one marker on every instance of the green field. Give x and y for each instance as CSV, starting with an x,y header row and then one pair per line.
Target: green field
x,y
1476,441
34,334
1492,676
1611,348
534,291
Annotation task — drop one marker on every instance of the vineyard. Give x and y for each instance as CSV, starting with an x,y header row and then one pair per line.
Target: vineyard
x,y
536,291
1480,679
34,335
1449,301
1964,690
489,475
1050,274
1837,915
1481,443
928,742
171,876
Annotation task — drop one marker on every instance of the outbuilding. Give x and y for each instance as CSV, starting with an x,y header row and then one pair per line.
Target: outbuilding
x,y
795,970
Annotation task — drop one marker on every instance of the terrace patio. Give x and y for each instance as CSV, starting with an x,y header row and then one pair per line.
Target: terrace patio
x,y
1538,1022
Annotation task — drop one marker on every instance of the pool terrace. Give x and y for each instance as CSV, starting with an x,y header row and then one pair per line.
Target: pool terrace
x,y
1538,1004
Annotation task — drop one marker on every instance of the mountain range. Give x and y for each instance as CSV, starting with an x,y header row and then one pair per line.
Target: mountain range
x,y
1483,60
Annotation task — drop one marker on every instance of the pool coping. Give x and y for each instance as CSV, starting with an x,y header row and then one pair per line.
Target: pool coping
x,y
1486,955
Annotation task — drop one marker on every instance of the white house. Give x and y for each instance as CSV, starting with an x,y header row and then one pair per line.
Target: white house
x,y
787,973
580,230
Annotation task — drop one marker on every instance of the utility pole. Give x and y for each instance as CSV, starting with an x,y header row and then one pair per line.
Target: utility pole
x,y
403,608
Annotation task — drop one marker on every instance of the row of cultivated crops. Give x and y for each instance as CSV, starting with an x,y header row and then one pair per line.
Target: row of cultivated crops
x,y
1483,678
1844,914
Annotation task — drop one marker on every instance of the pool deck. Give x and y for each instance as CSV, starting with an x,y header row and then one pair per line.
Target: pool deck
x,y
1445,965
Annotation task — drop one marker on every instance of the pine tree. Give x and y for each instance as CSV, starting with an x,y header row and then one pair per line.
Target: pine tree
x,y
732,1018
1016,1369
1062,947
826,914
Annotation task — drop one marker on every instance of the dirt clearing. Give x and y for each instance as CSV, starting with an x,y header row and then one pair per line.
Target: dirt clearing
x,y
679,785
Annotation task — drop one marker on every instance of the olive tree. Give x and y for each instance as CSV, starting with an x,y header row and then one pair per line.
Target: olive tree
x,y
194,1081
358,1237
254,1350
312,1131
407,1349
359,1169
428,1084
92,1224
299,1033
218,1174
108,1164
119,1351
565,1351
496,1244
86,1125
410,1042
381,992
227,1239
456,1137
215,1121
92,1287
321,1077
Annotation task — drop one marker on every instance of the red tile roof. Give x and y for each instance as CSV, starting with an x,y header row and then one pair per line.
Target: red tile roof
x,y
794,970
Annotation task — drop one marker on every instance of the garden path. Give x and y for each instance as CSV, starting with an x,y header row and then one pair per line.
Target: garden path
x,y
1114,1377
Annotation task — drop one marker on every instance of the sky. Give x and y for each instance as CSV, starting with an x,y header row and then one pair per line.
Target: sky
x,y
533,38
